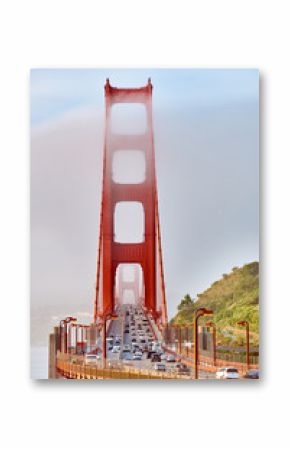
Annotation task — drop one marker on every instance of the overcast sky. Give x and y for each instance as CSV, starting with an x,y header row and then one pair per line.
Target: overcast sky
x,y
206,125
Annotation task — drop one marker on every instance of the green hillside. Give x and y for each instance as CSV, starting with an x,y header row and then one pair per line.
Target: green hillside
x,y
234,297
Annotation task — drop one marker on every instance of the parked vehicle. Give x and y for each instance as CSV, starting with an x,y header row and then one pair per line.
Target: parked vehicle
x,y
171,359
252,374
227,372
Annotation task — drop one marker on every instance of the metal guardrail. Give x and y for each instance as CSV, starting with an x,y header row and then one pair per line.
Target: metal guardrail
x,y
97,371
206,363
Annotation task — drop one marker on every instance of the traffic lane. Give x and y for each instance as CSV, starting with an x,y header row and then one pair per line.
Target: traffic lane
x,y
114,329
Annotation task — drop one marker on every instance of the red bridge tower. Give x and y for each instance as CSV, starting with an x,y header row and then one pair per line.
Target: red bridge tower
x,y
147,253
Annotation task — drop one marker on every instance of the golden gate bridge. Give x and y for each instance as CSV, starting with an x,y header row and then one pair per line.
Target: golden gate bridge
x,y
119,330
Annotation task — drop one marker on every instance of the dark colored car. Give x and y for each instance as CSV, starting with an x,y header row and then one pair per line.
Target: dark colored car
x,y
155,358
252,374
182,368
150,353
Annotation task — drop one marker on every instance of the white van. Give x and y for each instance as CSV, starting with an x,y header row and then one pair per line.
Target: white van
x,y
227,372
91,359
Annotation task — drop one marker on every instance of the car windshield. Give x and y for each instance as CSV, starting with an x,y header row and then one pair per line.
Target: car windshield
x,y
232,370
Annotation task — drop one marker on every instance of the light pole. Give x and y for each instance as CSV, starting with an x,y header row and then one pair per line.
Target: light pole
x,y
167,334
246,325
63,330
198,313
177,330
213,325
164,329
180,339
187,342
108,316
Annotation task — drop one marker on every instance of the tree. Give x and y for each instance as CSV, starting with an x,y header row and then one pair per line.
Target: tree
x,y
186,302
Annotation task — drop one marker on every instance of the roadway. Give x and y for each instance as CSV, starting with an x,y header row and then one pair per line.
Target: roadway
x,y
130,325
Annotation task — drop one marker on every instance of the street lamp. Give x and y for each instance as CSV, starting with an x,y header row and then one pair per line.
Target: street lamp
x,y
164,332
198,313
63,330
108,316
177,340
213,325
169,335
246,325
187,341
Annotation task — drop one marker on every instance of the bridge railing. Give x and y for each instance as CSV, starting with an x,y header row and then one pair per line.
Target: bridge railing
x,y
206,362
76,369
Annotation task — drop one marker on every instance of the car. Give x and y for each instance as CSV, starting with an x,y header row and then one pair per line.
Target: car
x,y
160,366
227,372
137,356
110,347
126,331
155,358
116,348
126,348
252,374
91,359
182,368
134,340
163,356
171,359
150,353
